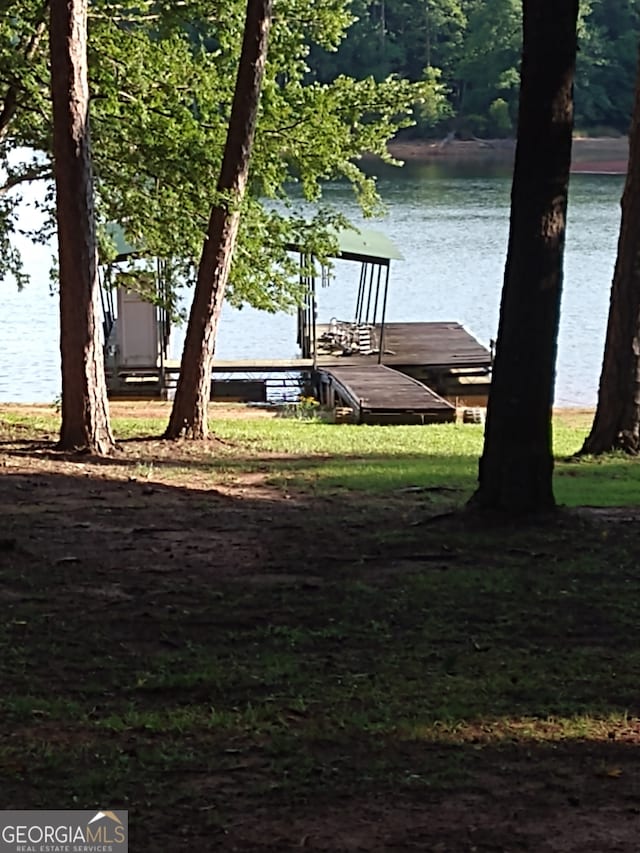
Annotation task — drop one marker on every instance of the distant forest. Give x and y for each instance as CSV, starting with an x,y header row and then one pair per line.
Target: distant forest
x,y
473,46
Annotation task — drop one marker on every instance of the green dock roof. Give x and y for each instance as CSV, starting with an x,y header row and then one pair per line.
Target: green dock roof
x,y
365,245
368,246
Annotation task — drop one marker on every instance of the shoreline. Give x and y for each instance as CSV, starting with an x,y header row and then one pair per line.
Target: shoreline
x,y
602,155
161,408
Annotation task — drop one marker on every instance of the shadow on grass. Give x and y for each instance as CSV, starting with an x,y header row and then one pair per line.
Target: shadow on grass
x,y
607,481
247,673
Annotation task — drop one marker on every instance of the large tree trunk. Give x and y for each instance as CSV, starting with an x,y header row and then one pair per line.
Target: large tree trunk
x,y
515,474
189,413
85,413
617,420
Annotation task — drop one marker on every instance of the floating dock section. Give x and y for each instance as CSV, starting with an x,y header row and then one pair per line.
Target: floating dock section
x,y
443,359
376,394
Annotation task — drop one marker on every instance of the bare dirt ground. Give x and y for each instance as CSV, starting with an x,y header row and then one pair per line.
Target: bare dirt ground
x,y
106,565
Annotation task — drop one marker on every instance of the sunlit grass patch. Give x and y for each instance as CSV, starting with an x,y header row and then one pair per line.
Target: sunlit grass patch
x,y
21,424
495,730
301,437
450,475
133,427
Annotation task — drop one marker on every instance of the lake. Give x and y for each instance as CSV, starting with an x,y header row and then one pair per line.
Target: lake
x,y
451,224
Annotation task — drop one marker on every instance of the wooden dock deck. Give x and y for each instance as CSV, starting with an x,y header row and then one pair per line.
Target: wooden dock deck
x,y
381,395
436,345
242,380
441,355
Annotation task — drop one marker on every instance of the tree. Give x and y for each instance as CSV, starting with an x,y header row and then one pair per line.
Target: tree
x,y
616,423
475,44
487,68
515,472
189,413
85,415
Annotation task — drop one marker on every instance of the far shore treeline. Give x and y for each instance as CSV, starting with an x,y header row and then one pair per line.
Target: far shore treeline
x,y
475,45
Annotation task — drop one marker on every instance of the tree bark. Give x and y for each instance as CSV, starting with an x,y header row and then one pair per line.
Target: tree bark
x,y
189,412
616,425
85,413
515,472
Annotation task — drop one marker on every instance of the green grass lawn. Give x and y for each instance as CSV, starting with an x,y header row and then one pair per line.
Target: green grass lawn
x,y
323,456
378,459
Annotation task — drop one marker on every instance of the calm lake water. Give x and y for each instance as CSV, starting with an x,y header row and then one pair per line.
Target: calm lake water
x,y
451,224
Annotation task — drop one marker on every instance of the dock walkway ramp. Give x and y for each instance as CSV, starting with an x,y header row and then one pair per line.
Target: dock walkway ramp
x,y
382,395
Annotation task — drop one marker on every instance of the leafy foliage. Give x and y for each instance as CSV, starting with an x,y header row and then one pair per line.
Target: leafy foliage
x,y
606,63
162,78
23,108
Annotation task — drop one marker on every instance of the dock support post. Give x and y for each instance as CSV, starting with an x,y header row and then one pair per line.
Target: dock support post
x,y
366,319
360,299
384,311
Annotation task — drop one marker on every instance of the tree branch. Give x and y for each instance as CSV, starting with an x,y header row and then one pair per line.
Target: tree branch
x,y
35,173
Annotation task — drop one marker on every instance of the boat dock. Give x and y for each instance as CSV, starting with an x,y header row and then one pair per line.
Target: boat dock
x,y
375,371
443,354
425,372
402,373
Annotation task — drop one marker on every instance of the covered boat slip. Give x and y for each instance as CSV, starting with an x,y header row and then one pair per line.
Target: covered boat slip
x,y
383,372
424,361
